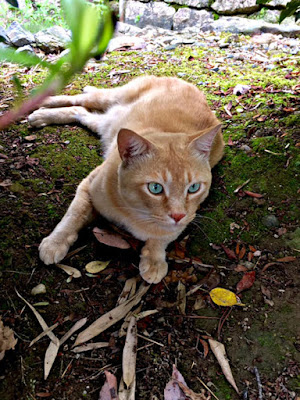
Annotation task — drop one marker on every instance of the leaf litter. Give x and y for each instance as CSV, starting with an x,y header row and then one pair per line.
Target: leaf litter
x,y
7,339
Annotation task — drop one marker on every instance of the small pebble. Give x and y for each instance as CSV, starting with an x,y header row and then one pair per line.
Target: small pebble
x,y
270,221
39,289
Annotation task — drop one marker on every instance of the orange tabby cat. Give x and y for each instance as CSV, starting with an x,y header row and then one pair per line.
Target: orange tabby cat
x,y
161,141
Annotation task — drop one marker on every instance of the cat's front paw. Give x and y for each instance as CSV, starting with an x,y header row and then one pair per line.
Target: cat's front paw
x,y
153,271
38,118
54,248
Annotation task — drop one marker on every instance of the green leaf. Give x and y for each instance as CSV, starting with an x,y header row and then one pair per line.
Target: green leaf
x,y
290,10
23,58
13,3
91,30
262,1
105,33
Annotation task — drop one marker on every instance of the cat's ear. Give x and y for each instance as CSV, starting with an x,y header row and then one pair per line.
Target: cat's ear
x,y
203,143
131,145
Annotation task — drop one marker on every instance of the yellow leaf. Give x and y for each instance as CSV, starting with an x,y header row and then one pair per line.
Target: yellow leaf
x,y
94,267
224,297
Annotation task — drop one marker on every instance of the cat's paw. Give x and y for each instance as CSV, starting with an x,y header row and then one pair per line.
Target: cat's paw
x,y
153,271
38,118
54,248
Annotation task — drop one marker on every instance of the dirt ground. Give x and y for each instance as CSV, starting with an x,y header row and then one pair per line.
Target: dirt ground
x,y
234,234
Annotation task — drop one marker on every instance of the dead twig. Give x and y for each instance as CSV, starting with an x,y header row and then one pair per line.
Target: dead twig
x,y
259,385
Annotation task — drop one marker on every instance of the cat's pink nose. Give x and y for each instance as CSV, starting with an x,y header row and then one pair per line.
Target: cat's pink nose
x,y
177,217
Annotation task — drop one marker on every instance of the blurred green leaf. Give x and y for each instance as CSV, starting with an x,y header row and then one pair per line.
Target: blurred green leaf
x,y
13,3
290,10
23,58
262,1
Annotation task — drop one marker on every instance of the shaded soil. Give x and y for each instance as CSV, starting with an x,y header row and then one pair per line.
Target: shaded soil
x,y
38,178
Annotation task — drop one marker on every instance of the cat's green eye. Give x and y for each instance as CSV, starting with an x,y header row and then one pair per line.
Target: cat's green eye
x,y
194,188
155,188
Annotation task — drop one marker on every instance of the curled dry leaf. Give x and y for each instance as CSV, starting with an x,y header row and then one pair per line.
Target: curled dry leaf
x,y
94,267
90,346
181,297
112,239
229,253
225,298
246,282
129,353
255,195
127,393
286,259
172,390
124,327
205,347
128,291
219,351
109,390
177,389
75,273
7,339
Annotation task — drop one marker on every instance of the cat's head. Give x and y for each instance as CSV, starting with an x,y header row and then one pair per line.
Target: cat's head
x,y
164,179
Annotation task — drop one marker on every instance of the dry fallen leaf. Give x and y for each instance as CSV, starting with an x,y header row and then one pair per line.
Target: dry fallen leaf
x,y
128,291
127,393
94,267
90,346
225,298
219,351
172,390
129,353
286,259
177,389
112,239
246,282
41,320
113,316
50,357
7,339
181,297
79,324
75,273
109,390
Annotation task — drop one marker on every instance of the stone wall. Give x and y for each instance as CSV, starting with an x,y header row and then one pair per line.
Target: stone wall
x,y
231,15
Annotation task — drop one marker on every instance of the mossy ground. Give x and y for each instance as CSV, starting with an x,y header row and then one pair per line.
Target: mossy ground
x,y
44,174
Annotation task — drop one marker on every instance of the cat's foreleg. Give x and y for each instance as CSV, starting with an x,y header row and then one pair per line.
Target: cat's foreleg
x,y
54,247
48,116
153,266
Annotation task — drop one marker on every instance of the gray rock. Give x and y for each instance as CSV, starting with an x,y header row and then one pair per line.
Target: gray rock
x,y
249,26
63,35
171,46
18,36
186,17
191,3
231,7
48,43
270,221
3,35
127,29
154,13
278,3
271,16
26,49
